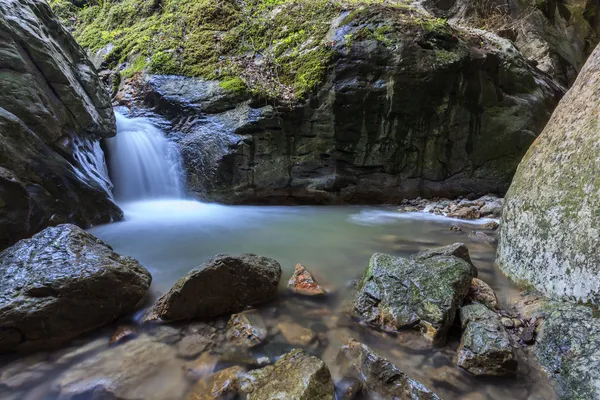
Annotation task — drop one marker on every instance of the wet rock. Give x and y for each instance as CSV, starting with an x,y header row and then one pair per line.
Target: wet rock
x,y
380,378
455,228
193,345
247,329
568,347
220,385
348,388
167,334
482,293
202,366
490,226
295,376
398,293
528,334
303,283
295,334
508,322
221,285
465,213
485,347
459,250
122,334
479,236
491,209
53,287
139,369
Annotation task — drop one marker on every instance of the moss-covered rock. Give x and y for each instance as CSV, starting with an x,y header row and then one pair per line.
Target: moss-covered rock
x,y
397,293
550,222
485,347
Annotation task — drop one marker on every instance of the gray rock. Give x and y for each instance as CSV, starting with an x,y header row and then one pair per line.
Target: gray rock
x,y
224,284
247,329
381,379
459,250
53,111
295,376
568,348
398,293
139,369
550,221
485,347
54,287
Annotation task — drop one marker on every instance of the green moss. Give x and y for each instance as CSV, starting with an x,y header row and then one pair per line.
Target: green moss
x,y
163,63
235,85
136,66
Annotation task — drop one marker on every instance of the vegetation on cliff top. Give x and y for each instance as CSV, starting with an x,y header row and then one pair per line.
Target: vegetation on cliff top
x,y
286,40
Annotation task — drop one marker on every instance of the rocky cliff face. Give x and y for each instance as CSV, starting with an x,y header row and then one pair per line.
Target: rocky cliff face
x,y
410,107
556,35
550,223
53,111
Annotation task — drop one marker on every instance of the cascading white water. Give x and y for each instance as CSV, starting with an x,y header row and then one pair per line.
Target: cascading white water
x,y
143,163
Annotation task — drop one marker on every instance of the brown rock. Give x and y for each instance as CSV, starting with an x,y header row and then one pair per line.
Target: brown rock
x,y
122,334
481,292
202,366
465,213
303,283
295,334
247,329
218,385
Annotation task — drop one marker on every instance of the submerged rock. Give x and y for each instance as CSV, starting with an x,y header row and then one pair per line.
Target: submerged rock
x,y
220,385
295,334
295,376
61,283
550,223
380,378
485,347
247,329
568,348
398,293
139,369
224,284
302,282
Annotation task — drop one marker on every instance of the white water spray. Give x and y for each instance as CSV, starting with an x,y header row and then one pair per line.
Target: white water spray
x,y
143,163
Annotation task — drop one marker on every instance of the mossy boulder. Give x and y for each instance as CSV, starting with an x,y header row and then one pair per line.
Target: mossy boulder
x,y
550,224
224,284
53,111
568,347
397,293
53,287
485,347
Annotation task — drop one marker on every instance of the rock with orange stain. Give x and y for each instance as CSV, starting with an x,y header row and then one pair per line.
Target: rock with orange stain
x,y
303,283
218,385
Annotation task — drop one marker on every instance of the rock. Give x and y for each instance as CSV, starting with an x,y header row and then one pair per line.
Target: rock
x,y
221,285
53,113
247,329
455,228
481,292
348,388
568,348
122,334
380,378
295,334
528,334
303,283
507,322
465,213
491,209
490,226
54,288
479,236
398,293
459,250
139,369
485,347
193,345
550,220
295,376
220,385
202,366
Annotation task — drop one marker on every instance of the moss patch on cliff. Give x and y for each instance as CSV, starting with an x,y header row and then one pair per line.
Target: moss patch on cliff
x,y
284,40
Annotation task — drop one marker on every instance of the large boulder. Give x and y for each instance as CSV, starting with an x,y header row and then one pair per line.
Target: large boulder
x,y
550,224
568,347
295,376
485,347
380,378
53,112
61,283
397,293
224,284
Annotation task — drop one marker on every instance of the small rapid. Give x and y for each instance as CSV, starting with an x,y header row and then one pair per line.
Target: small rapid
x,y
143,163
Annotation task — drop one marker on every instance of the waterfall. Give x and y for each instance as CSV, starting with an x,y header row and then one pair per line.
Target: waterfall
x,y
143,164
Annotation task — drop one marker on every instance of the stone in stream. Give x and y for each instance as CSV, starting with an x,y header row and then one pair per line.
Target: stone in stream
x,y
397,293
61,283
247,329
223,284
479,236
482,293
122,334
295,334
295,376
381,379
139,369
302,282
485,347
458,249
223,384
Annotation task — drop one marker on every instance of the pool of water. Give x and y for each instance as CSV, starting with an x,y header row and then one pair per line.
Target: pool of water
x,y
170,237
